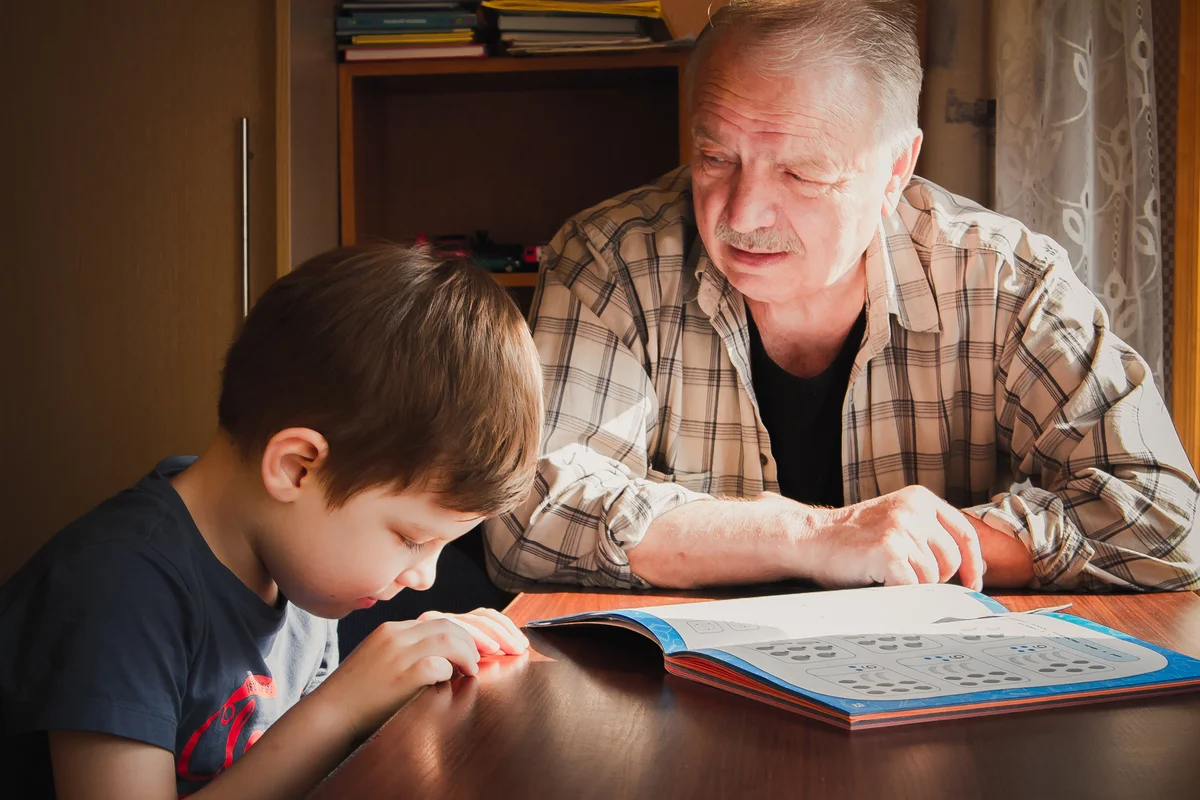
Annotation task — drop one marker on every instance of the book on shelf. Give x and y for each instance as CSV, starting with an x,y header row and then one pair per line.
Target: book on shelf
x,y
462,36
866,658
553,37
577,24
628,8
415,5
414,52
583,48
405,21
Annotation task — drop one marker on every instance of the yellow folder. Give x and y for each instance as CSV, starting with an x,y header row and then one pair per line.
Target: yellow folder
x,y
442,37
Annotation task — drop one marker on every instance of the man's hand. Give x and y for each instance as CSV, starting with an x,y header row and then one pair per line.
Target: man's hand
x,y
906,537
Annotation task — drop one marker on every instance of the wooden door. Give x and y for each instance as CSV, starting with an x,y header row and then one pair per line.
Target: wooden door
x,y
120,239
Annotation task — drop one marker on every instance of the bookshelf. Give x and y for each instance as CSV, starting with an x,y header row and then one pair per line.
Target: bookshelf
x,y
513,146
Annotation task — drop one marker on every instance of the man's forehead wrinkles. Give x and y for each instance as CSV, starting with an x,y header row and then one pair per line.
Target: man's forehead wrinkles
x,y
804,149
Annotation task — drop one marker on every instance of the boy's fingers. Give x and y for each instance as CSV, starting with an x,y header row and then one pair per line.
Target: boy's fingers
x,y
502,635
508,624
433,669
460,650
480,637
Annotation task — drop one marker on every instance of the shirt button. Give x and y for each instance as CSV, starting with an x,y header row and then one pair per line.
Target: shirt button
x,y
762,459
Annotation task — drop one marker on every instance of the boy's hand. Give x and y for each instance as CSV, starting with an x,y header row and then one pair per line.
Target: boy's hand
x,y
492,631
391,664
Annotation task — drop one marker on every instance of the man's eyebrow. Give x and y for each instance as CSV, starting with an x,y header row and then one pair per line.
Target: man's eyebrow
x,y
813,165
701,132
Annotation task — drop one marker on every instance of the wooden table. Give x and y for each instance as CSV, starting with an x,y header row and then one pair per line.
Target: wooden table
x,y
592,714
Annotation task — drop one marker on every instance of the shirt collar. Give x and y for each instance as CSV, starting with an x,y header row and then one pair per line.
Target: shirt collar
x,y
712,287
895,273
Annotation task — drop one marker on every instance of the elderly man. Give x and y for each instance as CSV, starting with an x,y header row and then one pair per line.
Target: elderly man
x,y
795,360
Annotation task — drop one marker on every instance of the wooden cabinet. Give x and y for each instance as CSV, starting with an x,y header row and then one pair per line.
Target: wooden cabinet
x,y
122,218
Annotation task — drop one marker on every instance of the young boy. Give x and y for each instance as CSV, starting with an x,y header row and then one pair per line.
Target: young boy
x,y
376,405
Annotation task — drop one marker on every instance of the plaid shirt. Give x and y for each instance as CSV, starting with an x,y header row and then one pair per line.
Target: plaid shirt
x,y
988,374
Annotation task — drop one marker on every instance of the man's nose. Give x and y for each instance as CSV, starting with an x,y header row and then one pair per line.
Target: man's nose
x,y
751,202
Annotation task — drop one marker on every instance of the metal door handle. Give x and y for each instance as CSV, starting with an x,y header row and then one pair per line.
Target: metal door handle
x,y
245,217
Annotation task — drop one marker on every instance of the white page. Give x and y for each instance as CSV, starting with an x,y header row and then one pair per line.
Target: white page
x,y
1008,652
800,616
904,643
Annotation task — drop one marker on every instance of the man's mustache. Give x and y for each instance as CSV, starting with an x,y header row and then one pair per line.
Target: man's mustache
x,y
763,239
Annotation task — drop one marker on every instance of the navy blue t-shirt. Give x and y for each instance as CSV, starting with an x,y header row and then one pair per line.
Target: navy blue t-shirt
x,y
126,623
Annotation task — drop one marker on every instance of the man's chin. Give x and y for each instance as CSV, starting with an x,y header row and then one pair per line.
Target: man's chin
x,y
760,285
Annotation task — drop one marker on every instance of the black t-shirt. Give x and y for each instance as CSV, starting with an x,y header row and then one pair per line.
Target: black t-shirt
x,y
126,623
803,417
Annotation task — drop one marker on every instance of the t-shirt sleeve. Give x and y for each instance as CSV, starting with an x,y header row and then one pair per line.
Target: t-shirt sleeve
x,y
330,661
101,646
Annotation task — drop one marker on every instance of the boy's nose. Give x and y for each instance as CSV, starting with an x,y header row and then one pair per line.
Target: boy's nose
x,y
420,577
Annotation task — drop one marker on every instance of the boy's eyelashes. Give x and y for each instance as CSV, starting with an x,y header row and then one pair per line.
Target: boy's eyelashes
x,y
409,543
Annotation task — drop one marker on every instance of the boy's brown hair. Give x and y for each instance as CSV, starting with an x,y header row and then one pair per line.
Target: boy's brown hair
x,y
417,371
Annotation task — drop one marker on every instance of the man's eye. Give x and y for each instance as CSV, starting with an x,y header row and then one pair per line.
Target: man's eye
x,y
713,159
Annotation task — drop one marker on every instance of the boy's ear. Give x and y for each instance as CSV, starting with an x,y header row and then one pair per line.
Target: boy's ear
x,y
289,462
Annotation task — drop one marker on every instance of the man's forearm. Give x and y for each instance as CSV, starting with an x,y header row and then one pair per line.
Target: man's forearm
x,y
721,542
1009,562
729,542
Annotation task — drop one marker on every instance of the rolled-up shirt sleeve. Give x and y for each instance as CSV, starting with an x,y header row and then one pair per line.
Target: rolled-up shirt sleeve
x,y
595,493
1111,496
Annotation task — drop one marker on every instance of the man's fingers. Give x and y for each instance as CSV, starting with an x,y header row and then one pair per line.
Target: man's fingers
x,y
960,528
902,575
899,570
923,562
945,549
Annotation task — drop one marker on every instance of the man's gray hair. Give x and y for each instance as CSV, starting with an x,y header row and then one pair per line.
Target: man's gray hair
x,y
876,38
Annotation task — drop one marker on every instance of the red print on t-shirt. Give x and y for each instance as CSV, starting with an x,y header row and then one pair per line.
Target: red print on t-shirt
x,y
232,718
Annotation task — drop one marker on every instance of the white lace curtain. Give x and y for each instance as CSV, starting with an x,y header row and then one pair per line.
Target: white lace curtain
x,y
1076,148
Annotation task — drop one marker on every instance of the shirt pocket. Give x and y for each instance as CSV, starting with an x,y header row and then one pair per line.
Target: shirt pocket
x,y
695,481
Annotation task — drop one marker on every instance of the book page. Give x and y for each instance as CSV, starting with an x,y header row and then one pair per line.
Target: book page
x,y
897,609
938,660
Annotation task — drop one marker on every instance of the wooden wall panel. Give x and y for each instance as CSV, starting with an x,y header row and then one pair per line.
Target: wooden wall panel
x,y
1186,374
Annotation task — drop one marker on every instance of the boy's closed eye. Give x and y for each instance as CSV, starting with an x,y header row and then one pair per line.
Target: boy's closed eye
x,y
411,544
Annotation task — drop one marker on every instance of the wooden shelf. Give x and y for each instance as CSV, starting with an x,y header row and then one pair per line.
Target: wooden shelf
x,y
494,64
510,146
516,279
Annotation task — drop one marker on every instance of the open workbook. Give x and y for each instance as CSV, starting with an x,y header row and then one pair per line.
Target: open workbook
x,y
890,656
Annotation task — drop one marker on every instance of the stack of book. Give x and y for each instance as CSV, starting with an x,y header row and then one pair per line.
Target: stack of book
x,y
556,27
405,29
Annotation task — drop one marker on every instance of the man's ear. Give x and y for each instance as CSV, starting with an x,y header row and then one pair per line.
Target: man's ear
x,y
902,171
289,462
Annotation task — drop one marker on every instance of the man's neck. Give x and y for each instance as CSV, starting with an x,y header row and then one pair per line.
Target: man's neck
x,y
805,334
214,491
